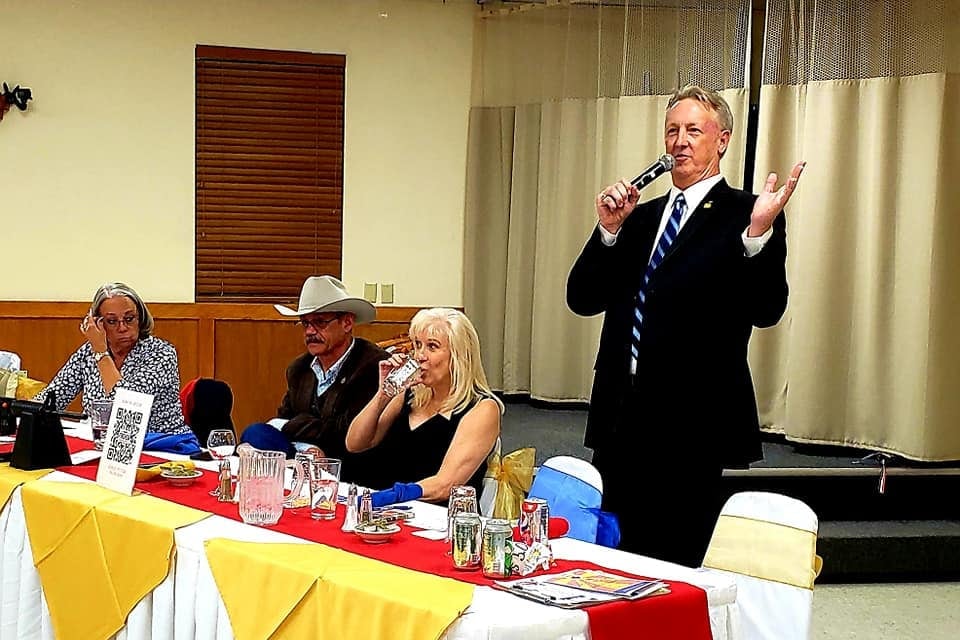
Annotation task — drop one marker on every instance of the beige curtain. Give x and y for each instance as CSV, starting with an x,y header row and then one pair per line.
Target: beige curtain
x,y
867,93
568,98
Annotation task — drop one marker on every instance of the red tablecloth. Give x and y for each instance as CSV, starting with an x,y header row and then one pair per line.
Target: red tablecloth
x,y
681,614
73,444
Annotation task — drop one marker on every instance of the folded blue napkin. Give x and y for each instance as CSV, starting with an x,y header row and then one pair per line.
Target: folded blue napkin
x,y
184,443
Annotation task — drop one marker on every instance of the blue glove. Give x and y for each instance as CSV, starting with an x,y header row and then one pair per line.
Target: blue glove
x,y
401,492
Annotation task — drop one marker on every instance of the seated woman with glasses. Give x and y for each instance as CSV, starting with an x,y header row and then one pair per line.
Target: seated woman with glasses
x,y
439,428
120,352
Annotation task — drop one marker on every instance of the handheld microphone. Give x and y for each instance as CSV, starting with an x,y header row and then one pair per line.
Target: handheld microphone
x,y
665,163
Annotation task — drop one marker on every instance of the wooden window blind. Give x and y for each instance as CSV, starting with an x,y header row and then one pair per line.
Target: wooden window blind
x,y
269,171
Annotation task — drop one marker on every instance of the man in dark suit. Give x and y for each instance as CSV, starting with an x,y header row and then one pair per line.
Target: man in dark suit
x,y
682,280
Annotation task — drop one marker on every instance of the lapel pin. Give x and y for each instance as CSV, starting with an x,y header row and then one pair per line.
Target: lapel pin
x,y
707,205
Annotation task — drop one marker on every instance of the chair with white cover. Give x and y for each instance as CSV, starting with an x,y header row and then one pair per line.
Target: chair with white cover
x,y
9,374
768,542
573,489
9,361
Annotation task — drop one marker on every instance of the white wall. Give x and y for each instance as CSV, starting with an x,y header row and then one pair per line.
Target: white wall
x,y
97,181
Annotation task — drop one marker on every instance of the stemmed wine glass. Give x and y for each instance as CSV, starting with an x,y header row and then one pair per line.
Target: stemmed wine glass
x,y
220,443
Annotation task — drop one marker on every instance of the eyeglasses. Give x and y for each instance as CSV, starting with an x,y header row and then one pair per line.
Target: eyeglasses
x,y
317,323
127,320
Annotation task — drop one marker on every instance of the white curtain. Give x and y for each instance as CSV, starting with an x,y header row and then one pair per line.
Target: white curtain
x,y
567,99
867,93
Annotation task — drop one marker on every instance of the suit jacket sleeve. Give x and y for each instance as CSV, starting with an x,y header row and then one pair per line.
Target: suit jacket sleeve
x,y
766,278
589,285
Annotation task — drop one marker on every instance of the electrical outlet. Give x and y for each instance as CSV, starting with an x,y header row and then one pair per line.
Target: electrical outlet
x,y
370,292
386,293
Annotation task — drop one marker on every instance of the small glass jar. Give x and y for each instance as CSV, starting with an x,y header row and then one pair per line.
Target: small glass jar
x,y
463,499
398,379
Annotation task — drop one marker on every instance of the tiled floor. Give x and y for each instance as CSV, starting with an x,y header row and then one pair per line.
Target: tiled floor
x,y
928,611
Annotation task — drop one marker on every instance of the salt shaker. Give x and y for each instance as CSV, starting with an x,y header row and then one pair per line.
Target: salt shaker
x,y
226,482
350,521
366,508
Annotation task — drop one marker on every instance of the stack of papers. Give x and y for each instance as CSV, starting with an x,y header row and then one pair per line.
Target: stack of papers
x,y
581,588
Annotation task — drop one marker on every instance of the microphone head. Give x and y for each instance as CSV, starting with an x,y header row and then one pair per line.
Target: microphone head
x,y
668,161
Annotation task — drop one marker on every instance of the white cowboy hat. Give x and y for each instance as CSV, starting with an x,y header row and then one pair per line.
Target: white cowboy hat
x,y
326,294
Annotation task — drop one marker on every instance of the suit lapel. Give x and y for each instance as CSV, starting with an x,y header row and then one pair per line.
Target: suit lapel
x,y
650,224
714,200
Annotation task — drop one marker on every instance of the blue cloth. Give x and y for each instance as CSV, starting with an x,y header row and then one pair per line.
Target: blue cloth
x,y
401,492
267,438
571,498
184,443
608,529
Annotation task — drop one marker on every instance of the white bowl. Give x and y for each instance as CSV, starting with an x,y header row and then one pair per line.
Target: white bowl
x,y
181,479
378,535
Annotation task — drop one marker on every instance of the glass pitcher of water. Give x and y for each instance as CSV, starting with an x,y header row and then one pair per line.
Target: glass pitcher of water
x,y
260,484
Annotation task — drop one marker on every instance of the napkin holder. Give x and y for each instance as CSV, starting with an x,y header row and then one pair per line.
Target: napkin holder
x,y
40,442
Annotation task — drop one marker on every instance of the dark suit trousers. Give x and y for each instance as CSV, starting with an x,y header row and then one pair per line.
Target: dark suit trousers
x,y
663,484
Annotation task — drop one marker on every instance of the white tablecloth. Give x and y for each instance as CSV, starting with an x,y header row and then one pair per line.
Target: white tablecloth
x,y
188,605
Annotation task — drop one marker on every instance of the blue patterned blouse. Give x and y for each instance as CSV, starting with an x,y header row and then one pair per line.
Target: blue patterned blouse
x,y
150,367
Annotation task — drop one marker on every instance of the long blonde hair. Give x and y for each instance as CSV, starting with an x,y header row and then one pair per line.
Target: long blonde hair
x,y
468,383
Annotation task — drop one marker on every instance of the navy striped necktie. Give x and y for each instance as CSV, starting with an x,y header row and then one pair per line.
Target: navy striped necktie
x,y
666,239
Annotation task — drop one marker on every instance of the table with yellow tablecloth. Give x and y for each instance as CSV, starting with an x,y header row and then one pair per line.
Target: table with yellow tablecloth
x,y
191,590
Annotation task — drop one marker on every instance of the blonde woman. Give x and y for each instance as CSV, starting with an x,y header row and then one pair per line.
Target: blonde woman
x,y
438,432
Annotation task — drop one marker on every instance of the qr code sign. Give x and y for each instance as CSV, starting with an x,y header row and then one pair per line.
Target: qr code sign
x,y
123,443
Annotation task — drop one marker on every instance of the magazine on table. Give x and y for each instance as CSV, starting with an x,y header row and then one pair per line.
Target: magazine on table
x,y
581,588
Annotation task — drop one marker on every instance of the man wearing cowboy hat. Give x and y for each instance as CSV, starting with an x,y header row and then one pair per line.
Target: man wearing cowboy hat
x,y
329,384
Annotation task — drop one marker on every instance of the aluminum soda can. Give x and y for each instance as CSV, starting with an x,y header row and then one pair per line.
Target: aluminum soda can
x,y
465,541
497,549
534,521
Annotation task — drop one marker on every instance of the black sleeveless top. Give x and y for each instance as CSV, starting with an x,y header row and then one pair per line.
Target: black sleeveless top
x,y
409,455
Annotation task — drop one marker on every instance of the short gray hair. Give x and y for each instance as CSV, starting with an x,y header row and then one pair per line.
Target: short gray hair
x,y
114,289
709,97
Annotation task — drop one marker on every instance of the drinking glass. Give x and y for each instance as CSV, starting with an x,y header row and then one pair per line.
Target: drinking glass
x,y
396,381
100,411
220,443
324,483
301,498
463,499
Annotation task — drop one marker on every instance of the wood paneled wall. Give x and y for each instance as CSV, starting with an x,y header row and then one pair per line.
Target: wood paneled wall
x,y
246,345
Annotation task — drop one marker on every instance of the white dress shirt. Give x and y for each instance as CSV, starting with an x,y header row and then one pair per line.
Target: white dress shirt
x,y
694,195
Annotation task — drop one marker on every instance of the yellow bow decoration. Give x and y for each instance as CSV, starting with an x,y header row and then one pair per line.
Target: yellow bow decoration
x,y
8,382
27,388
514,474
16,384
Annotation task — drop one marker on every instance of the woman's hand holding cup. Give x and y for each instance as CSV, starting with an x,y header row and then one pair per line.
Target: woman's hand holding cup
x,y
398,373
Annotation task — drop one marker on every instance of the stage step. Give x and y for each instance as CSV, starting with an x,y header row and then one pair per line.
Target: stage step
x,y
853,493
889,551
